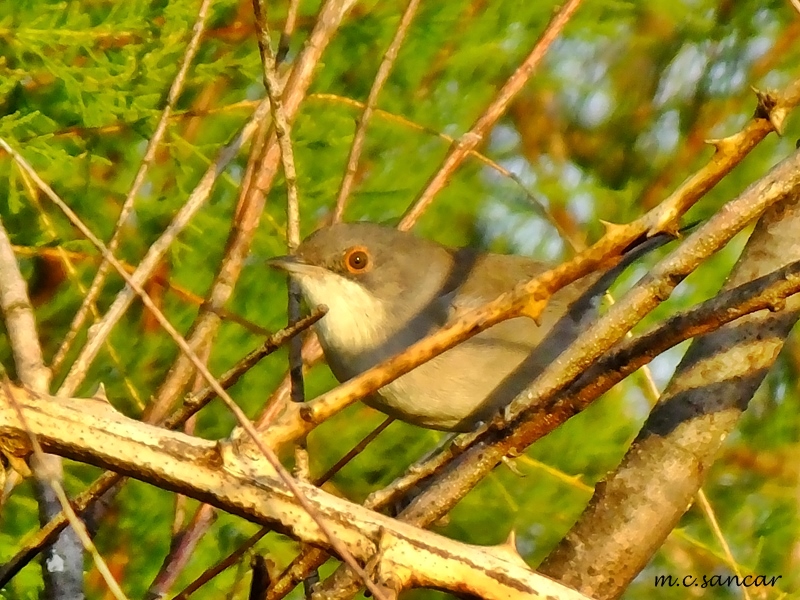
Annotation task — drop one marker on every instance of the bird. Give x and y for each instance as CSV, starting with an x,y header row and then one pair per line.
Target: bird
x,y
386,289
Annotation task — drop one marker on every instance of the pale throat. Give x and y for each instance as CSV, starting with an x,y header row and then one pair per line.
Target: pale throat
x,y
355,318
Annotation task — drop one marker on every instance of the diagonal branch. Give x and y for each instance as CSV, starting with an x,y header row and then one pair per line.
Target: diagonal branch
x,y
156,251
369,107
668,462
481,128
110,480
127,206
216,473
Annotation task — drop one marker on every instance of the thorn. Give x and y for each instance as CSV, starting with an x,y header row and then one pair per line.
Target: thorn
x,y
512,466
533,310
724,145
777,117
776,305
18,464
508,550
670,228
100,393
612,228
442,521
768,109
511,540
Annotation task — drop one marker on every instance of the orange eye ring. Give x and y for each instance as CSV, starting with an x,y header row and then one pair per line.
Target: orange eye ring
x,y
357,260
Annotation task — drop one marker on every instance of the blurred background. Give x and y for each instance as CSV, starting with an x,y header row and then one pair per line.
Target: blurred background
x,y
613,120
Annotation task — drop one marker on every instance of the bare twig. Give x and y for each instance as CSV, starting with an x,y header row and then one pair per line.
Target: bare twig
x,y
197,401
708,513
493,112
355,451
181,550
281,125
372,99
288,29
127,206
156,251
229,560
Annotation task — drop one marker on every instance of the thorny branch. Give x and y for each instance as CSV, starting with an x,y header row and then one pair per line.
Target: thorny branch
x,y
110,479
217,472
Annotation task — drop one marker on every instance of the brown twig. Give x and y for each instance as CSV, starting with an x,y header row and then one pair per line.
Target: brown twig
x,y
282,133
224,564
493,112
127,206
181,550
197,401
354,451
372,99
154,254
286,34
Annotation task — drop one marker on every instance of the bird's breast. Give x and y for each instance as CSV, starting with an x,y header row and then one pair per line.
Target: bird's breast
x,y
354,323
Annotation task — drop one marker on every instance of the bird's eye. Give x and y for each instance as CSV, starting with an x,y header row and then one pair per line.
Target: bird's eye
x,y
356,259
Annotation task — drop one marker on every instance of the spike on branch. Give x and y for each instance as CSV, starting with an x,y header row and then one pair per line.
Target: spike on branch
x,y
769,108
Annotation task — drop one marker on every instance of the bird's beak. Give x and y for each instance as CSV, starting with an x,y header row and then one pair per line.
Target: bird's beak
x,y
293,264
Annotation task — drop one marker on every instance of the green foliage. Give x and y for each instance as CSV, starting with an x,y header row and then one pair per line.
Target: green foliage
x,y
610,124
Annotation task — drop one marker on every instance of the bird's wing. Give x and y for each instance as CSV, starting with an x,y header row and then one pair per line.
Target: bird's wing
x,y
481,279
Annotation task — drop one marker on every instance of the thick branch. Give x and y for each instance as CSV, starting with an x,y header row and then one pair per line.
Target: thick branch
x,y
664,468
92,431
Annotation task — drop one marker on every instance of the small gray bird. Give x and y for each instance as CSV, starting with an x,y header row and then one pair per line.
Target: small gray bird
x,y
386,289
